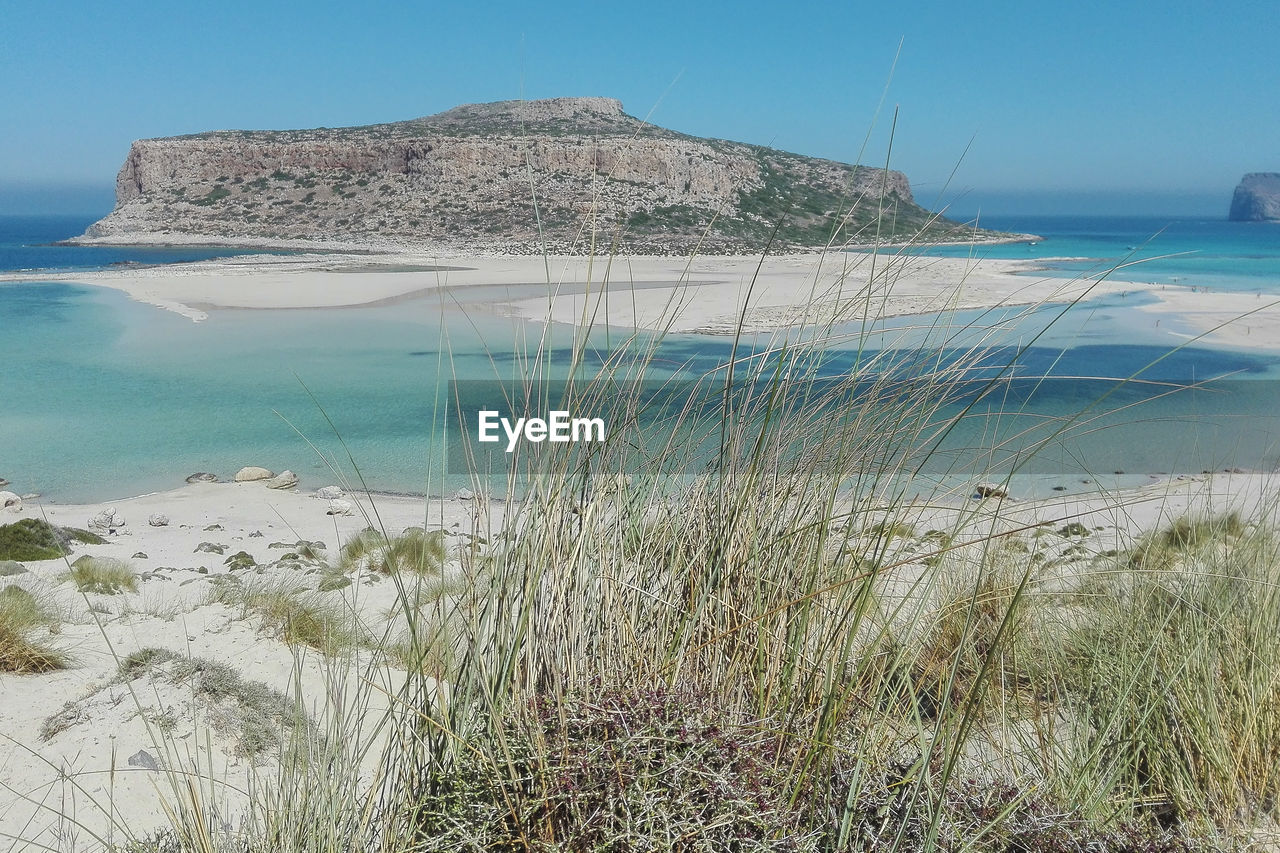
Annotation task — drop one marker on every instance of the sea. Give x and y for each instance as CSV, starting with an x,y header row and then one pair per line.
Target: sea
x,y
102,397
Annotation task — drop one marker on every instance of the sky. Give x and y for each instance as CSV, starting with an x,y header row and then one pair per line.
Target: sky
x,y
1009,107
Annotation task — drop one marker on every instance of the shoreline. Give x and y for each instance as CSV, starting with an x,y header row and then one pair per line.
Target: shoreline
x,y
698,295
214,241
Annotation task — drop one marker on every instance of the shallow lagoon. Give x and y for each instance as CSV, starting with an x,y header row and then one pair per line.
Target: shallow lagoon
x,y
103,397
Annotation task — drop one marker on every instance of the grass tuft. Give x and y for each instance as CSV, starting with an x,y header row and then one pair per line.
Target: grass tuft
x,y
415,550
1175,679
22,615
1185,535
298,617
103,575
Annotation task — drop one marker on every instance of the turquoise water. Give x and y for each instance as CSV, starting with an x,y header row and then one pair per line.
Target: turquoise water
x,y
103,397
1202,252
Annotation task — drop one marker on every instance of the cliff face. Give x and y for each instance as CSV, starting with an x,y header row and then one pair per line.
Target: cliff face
x,y
1257,198
474,173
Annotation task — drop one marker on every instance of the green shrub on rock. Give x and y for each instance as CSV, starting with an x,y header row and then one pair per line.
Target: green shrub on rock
x,y
31,539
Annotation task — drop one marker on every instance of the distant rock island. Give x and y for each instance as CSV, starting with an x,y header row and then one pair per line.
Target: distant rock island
x,y
1257,198
511,173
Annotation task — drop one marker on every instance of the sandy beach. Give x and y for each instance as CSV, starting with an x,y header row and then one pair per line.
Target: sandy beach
x,y
711,295
80,738
87,748
703,295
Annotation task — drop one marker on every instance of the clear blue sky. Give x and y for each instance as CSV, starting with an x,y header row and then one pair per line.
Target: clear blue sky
x,y
1168,101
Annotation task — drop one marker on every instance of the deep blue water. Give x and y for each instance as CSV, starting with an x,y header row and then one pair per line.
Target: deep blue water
x,y
103,397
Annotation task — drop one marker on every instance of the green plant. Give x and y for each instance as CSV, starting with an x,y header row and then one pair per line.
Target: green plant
x,y
22,614
948,660
1185,535
415,550
298,617
103,575
258,714
1174,675
214,196
31,539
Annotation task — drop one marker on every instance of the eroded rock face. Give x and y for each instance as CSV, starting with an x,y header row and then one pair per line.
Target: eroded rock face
x,y
1257,198
469,174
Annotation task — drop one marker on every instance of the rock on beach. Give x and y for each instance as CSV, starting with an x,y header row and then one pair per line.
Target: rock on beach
x,y
283,480
108,521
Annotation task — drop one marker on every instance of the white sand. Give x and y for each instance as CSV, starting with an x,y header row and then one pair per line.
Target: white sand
x,y
1240,320
707,295
63,788
49,786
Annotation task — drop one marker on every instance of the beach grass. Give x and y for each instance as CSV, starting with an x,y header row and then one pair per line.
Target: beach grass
x,y
767,655
103,575
23,617
259,716
414,550
297,616
1172,678
31,539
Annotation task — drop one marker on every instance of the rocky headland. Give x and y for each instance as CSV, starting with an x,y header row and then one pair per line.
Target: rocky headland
x,y
1257,198
558,173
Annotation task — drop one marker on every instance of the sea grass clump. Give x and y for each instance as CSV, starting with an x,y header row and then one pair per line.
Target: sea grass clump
x,y
256,714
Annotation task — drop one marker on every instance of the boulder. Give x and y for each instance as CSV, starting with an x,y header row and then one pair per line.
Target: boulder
x,y
10,502
991,490
3,482
239,561
251,473
464,495
211,548
284,480
109,520
330,493
203,477
158,519
340,507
